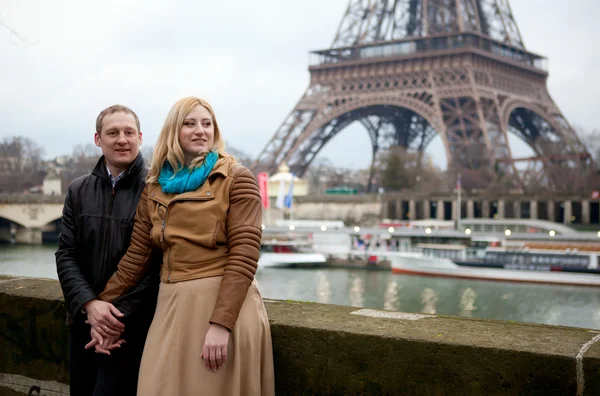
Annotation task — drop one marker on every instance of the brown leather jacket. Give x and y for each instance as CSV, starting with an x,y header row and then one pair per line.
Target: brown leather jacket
x,y
212,231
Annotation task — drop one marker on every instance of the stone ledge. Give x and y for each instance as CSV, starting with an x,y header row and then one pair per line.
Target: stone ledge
x,y
332,350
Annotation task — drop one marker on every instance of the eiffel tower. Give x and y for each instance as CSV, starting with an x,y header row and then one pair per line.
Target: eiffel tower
x,y
409,70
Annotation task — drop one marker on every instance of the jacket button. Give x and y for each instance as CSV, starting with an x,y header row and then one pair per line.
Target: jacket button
x,y
208,194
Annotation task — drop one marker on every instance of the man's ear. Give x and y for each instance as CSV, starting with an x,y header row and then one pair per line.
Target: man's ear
x,y
97,139
140,135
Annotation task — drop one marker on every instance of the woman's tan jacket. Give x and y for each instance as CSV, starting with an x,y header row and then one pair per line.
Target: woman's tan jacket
x,y
212,231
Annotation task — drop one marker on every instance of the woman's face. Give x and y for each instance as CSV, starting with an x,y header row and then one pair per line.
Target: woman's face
x,y
197,133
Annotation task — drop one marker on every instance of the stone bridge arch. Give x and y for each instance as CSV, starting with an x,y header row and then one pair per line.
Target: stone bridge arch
x,y
31,216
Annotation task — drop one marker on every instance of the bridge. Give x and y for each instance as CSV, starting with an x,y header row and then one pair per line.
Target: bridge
x,y
24,218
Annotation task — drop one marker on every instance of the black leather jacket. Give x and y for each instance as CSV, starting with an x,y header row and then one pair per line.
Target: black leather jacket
x,y
95,232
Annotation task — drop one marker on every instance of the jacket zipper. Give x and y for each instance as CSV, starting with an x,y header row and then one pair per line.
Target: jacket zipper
x,y
163,225
163,240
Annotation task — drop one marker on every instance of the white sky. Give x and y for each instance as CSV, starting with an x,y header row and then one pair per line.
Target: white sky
x,y
249,59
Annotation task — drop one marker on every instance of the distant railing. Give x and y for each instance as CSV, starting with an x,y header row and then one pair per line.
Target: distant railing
x,y
428,44
31,198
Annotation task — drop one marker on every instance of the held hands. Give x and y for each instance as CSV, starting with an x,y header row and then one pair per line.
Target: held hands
x,y
104,346
102,316
214,351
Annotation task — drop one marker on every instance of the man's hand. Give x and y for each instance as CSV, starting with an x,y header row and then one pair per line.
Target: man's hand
x,y
105,345
214,351
102,316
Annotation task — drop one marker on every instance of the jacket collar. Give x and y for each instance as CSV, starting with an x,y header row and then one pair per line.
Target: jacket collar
x,y
203,193
135,167
221,167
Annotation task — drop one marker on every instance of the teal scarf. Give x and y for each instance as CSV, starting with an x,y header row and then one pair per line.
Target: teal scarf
x,y
185,180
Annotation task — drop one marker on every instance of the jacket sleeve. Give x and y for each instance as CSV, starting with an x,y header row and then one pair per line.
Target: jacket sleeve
x,y
134,264
75,287
243,237
145,291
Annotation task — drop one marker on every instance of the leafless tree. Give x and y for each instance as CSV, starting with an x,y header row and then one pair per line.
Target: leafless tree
x,y
591,140
400,169
147,153
21,164
323,175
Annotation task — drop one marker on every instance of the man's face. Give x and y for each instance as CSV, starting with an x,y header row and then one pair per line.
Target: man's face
x,y
119,139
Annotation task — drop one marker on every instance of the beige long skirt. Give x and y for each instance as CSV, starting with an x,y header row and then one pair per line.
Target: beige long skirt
x,y
171,363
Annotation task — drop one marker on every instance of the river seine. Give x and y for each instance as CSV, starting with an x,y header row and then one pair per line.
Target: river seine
x,y
558,305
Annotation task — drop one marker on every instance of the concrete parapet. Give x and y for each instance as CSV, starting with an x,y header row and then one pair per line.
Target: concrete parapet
x,y
351,213
333,350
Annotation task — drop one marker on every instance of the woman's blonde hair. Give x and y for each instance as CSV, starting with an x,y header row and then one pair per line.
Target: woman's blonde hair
x,y
167,146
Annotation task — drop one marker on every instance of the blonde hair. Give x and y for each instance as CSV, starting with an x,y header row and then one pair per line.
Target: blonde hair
x,y
168,147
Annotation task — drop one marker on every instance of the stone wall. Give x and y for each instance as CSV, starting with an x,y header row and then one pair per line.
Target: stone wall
x,y
332,350
351,213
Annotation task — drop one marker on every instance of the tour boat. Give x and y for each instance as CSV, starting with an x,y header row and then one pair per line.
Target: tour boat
x,y
502,264
289,253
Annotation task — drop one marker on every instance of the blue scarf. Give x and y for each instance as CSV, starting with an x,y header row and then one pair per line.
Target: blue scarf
x,y
185,180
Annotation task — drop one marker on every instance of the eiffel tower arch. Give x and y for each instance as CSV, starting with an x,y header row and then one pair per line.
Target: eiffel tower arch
x,y
409,70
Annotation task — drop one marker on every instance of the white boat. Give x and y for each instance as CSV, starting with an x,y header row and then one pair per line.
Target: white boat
x,y
289,253
420,264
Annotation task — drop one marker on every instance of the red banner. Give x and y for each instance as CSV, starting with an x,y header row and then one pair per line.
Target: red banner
x,y
263,186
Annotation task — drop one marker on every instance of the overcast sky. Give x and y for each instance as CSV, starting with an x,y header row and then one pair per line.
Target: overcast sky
x,y
249,59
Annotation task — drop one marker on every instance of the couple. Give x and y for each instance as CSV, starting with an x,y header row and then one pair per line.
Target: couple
x,y
194,221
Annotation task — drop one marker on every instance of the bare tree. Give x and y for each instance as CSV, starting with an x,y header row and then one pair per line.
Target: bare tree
x,y
13,34
323,175
400,169
21,164
241,156
591,141
147,153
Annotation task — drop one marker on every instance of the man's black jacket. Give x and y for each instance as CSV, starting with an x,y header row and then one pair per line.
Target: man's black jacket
x,y
95,232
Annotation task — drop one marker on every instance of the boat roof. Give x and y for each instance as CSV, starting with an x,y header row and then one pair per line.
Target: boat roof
x,y
541,224
406,232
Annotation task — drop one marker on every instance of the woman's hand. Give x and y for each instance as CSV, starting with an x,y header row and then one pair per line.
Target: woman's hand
x,y
106,345
214,351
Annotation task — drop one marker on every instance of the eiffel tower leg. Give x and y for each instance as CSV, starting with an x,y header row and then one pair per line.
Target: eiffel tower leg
x,y
560,155
497,136
465,132
285,137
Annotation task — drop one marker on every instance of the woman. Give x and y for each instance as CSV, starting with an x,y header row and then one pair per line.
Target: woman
x,y
210,332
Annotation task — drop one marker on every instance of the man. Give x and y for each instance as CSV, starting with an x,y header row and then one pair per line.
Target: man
x,y
96,229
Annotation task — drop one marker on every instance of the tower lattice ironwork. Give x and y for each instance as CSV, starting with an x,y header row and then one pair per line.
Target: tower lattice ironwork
x,y
409,70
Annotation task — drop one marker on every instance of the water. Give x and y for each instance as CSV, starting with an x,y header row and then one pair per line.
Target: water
x,y
549,304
